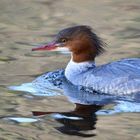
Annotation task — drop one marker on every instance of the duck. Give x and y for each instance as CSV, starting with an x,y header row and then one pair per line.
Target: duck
x,y
121,77
118,79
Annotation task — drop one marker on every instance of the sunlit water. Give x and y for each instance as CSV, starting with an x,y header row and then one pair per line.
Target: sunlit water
x,y
25,24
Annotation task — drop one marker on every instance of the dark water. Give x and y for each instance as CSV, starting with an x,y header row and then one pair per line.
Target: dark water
x,y
28,23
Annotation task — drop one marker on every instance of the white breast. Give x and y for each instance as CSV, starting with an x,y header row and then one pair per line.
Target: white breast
x,y
74,71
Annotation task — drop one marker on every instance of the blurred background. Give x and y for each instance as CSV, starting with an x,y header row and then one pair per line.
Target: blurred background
x,y
25,24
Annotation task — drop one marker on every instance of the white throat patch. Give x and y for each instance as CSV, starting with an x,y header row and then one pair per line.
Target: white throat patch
x,y
63,50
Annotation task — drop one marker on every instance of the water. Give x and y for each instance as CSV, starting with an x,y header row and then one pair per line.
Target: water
x,y
25,24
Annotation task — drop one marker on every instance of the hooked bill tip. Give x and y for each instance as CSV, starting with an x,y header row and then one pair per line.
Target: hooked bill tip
x,y
37,49
33,49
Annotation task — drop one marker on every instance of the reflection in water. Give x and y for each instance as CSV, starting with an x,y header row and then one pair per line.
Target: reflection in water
x,y
21,119
76,127
78,122
121,106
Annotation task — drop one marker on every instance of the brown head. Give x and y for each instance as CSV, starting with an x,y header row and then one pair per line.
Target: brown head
x,y
80,40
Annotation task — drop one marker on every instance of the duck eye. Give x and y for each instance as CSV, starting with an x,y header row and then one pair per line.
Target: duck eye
x,y
63,40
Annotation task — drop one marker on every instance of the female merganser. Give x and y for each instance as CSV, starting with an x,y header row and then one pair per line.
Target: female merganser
x,y
119,78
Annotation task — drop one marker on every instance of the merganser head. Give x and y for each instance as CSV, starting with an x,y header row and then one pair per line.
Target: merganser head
x,y
80,40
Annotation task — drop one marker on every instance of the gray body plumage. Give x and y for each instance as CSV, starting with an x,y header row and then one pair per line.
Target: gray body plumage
x,y
86,83
117,78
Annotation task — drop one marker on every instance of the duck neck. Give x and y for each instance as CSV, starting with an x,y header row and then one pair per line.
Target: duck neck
x,y
75,69
83,56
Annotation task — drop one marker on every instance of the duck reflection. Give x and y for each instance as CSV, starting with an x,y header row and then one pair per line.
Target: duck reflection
x,y
76,127
85,120
82,120
77,122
